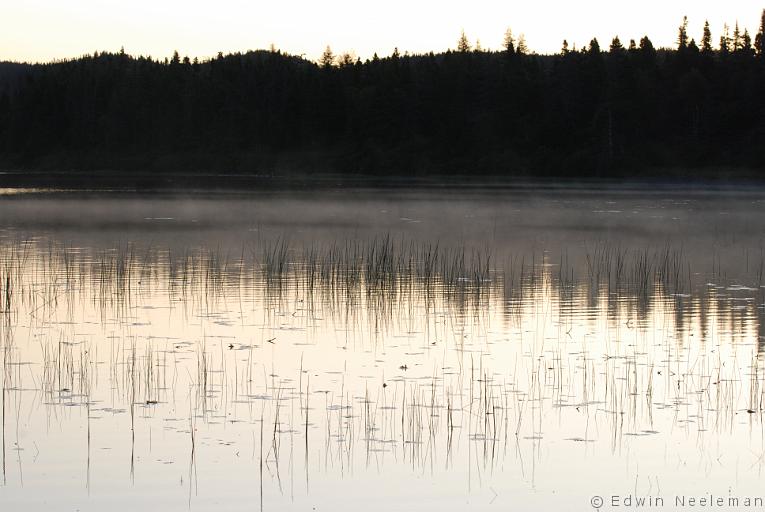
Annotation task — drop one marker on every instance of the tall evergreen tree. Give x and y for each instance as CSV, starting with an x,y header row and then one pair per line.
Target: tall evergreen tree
x,y
706,38
646,47
463,45
327,58
509,43
746,42
725,40
759,39
346,59
682,35
522,49
616,46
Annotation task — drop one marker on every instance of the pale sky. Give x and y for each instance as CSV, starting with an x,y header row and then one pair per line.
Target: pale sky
x,y
43,30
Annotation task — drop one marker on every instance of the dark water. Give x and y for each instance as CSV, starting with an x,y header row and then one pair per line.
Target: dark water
x,y
385,349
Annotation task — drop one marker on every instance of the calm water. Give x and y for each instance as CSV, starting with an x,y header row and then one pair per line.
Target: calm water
x,y
380,350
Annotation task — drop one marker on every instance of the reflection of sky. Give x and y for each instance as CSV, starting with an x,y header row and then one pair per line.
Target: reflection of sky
x,y
593,390
46,29
20,191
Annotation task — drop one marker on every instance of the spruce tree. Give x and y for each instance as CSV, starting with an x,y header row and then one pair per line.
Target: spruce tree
x,y
706,39
725,40
746,42
509,42
463,45
736,39
682,35
616,45
522,49
327,58
646,45
759,39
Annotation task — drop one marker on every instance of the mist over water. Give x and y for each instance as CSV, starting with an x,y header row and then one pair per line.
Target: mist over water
x,y
345,349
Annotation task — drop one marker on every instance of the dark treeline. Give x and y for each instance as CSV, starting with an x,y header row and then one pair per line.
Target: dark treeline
x,y
625,109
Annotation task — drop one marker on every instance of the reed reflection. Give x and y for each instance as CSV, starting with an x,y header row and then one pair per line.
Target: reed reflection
x,y
381,357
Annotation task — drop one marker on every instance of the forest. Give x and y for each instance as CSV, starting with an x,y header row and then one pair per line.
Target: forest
x,y
623,109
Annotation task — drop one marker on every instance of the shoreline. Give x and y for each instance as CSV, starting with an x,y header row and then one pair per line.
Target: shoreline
x,y
120,181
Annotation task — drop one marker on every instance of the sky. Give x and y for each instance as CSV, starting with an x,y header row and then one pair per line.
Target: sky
x,y
45,30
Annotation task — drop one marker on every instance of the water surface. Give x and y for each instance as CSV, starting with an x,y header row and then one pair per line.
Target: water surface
x,y
380,349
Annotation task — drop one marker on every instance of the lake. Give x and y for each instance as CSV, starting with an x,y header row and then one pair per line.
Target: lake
x,y
409,348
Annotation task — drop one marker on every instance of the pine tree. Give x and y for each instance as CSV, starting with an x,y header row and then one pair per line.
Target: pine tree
x,y
725,40
346,59
463,45
509,42
736,38
616,46
759,39
594,46
682,36
706,39
522,49
327,58
746,42
564,49
646,49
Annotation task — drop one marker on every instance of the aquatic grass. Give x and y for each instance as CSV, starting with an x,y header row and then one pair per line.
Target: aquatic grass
x,y
421,414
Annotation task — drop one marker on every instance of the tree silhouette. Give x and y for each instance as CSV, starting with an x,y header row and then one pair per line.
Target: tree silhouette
x,y
575,113
616,46
463,45
646,46
682,35
509,43
706,38
759,39
522,49
746,42
346,59
737,42
725,40
327,58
